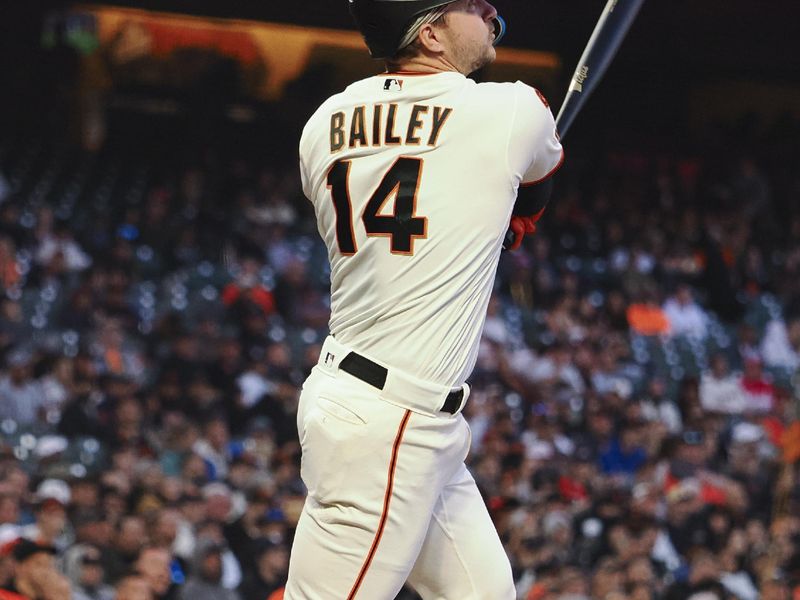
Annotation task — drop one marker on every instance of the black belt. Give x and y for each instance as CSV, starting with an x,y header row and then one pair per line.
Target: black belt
x,y
375,375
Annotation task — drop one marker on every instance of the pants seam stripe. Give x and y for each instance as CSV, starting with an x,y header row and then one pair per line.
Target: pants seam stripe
x,y
386,502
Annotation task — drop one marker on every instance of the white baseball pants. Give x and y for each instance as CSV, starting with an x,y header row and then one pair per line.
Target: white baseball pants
x,y
389,500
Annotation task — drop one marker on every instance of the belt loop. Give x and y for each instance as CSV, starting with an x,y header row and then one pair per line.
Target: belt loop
x,y
446,406
465,387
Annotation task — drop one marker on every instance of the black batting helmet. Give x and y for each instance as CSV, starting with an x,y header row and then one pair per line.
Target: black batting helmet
x,y
383,23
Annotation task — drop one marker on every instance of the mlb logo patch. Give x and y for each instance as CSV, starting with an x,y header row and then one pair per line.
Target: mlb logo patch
x,y
393,85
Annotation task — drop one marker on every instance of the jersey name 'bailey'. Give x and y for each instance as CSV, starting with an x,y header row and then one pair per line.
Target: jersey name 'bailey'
x,y
378,126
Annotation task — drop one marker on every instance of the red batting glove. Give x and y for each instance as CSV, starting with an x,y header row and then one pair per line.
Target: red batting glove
x,y
520,226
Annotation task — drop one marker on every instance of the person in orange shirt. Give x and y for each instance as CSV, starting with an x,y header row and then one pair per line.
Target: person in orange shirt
x,y
647,318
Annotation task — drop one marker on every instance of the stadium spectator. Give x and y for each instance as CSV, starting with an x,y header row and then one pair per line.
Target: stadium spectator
x,y
204,582
83,567
129,539
646,317
657,407
133,587
685,316
10,269
50,528
269,575
58,251
214,448
154,564
720,390
756,389
248,288
20,394
780,346
35,575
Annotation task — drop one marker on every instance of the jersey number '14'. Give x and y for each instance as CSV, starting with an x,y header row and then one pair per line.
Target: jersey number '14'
x,y
402,226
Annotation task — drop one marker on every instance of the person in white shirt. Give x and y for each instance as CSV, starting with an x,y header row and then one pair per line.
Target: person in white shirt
x,y
61,243
686,317
720,390
781,344
21,396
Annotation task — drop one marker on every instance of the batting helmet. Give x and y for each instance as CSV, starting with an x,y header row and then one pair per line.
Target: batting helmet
x,y
383,23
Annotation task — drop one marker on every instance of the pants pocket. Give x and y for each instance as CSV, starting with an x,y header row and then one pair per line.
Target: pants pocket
x,y
332,443
338,410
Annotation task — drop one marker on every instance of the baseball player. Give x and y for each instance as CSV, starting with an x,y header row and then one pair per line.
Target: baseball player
x,y
414,176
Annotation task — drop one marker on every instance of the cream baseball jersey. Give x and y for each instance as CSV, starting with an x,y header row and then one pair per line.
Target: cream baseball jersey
x,y
413,179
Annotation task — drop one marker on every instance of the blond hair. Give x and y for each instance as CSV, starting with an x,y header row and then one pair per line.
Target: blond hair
x,y
431,16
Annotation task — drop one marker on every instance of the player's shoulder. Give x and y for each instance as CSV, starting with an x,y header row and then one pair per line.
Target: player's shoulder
x,y
492,89
321,117
522,92
324,109
355,91
510,94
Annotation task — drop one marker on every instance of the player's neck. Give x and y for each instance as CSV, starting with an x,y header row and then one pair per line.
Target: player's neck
x,y
424,64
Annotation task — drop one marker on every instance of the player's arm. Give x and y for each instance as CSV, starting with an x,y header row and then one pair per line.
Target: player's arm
x,y
538,156
530,206
532,199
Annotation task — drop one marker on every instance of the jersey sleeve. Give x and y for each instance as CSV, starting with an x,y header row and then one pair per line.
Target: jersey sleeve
x,y
534,149
303,151
304,177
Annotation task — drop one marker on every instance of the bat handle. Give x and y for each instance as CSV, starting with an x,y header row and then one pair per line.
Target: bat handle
x,y
614,23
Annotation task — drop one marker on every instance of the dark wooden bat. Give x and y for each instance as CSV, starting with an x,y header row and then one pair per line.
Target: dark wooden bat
x,y
614,23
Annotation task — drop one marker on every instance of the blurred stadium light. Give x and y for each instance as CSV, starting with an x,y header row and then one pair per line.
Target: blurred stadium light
x,y
152,47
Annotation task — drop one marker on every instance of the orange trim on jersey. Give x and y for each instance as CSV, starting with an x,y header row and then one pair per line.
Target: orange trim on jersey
x,y
542,98
548,176
386,501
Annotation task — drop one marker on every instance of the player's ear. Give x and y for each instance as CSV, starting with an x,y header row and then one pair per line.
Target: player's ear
x,y
431,38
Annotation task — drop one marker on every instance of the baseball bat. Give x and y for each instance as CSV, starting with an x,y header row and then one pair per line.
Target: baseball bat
x,y
614,23
611,28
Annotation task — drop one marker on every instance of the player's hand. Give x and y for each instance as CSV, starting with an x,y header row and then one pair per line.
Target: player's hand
x,y
517,230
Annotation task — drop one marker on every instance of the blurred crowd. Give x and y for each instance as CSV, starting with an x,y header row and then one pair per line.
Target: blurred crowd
x,y
632,407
